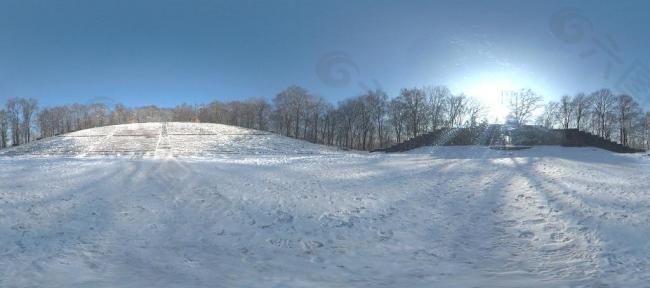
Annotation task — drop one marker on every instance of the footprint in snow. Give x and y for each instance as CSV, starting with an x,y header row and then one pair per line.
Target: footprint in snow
x,y
526,234
553,227
283,217
281,243
384,234
423,254
316,259
533,221
509,223
328,220
559,237
310,246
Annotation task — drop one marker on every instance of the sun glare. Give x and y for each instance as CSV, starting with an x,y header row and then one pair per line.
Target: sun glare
x,y
489,91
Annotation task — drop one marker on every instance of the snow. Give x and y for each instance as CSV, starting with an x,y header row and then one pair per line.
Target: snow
x,y
163,139
128,206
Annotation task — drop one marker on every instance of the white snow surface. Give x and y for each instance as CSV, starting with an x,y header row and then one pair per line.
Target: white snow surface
x,y
206,205
165,139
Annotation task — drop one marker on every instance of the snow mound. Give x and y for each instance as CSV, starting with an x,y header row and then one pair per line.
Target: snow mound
x,y
166,139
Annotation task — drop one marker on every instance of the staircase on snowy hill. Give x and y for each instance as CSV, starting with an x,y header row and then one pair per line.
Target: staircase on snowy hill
x,y
450,137
577,138
494,135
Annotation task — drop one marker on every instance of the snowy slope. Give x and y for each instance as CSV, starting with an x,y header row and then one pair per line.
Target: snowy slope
x,y
434,217
165,139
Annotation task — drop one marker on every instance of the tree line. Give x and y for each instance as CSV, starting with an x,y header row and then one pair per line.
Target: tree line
x,y
365,122
614,117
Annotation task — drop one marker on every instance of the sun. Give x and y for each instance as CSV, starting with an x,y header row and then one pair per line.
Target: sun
x,y
490,92
492,98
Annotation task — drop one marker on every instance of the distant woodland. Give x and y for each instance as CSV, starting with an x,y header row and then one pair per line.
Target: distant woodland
x,y
369,121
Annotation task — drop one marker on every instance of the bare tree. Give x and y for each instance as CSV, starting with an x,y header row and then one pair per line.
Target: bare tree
x,y
627,111
13,116
261,108
290,107
28,108
603,108
329,124
4,128
455,106
99,114
565,111
474,111
549,115
415,104
437,97
120,115
646,130
523,104
398,116
377,102
151,113
365,119
349,121
183,113
581,106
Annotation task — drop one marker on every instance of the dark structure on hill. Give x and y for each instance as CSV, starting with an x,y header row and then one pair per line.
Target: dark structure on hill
x,y
502,135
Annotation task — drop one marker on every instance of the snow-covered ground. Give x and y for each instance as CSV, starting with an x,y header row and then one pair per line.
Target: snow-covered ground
x,y
164,139
241,208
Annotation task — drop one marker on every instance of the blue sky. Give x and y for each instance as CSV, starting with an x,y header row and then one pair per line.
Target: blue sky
x,y
168,52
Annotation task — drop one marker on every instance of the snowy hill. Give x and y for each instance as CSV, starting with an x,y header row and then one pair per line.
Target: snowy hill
x,y
433,217
166,139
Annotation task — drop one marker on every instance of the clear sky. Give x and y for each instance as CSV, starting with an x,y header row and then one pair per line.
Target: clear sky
x,y
166,52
